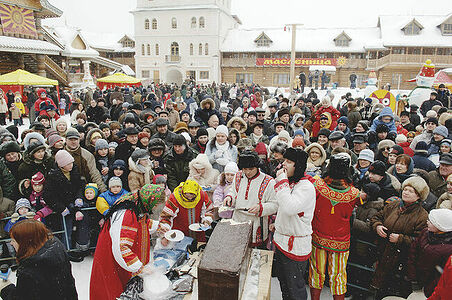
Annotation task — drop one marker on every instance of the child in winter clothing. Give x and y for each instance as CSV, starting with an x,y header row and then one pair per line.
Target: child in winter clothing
x,y
36,199
109,198
91,193
226,179
23,211
118,169
140,170
101,155
3,108
20,105
386,117
16,114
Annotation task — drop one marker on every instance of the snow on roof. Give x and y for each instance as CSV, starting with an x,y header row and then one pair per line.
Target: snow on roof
x,y
13,44
107,41
308,39
66,35
177,7
430,36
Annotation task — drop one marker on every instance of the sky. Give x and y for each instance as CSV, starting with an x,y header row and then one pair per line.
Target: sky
x,y
113,15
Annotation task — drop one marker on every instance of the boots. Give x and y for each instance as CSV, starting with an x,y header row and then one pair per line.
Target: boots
x,y
339,297
315,293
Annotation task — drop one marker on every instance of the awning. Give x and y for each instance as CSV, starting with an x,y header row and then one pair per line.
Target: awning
x,y
21,77
320,68
12,44
119,78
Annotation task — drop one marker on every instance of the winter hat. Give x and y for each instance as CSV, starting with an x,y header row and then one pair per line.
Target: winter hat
x,y
156,144
382,128
432,120
222,129
34,147
372,190
401,138
279,147
63,158
445,159
419,185
139,154
431,114
72,134
187,136
248,159
441,218
101,144
37,179
441,130
343,119
22,202
93,187
421,147
396,118
143,134
385,144
158,179
231,168
378,167
244,144
298,132
50,132
324,131
119,164
201,132
179,139
180,126
112,145
261,149
336,135
366,154
14,130
53,139
35,136
9,147
96,134
397,150
339,166
446,142
298,141
103,126
114,181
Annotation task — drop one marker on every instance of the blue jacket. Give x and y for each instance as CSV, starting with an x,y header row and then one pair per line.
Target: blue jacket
x,y
107,199
386,111
422,162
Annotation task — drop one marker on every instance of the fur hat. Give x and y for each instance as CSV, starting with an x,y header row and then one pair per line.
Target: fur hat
x,y
385,144
441,218
119,164
208,100
419,185
156,144
244,144
63,158
299,157
22,202
179,139
114,181
34,147
248,159
401,138
324,131
279,147
33,135
9,147
372,190
180,126
382,128
339,166
139,154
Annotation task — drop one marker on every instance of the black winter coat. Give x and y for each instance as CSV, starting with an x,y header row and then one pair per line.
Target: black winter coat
x,y
59,192
45,275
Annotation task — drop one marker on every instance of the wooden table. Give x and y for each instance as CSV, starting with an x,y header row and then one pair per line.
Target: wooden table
x,y
265,276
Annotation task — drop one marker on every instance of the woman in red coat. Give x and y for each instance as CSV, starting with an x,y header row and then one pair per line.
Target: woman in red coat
x,y
332,113
124,244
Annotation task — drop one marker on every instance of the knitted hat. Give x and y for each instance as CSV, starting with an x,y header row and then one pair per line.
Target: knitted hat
x,y
53,139
9,147
397,150
63,158
366,154
446,142
119,164
343,119
113,145
231,168
261,149
37,179
139,154
201,132
419,185
298,132
101,144
114,181
22,202
385,144
441,130
372,190
401,138
378,167
421,147
93,187
50,132
222,129
441,218
298,141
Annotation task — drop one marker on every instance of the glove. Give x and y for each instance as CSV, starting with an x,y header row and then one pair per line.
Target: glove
x,y
416,286
65,212
219,153
222,161
4,284
78,202
15,217
38,216
78,216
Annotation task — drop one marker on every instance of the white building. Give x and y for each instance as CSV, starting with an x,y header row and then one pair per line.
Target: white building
x,y
181,39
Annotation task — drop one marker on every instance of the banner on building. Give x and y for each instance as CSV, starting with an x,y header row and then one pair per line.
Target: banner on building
x,y
17,20
300,61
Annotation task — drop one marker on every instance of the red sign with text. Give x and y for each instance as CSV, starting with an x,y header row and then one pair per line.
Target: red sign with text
x,y
298,61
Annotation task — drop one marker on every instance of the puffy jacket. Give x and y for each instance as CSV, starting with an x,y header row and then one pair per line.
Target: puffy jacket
x,y
385,112
107,199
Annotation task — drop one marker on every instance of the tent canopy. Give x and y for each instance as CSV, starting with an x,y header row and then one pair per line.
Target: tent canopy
x,y
119,78
441,77
21,77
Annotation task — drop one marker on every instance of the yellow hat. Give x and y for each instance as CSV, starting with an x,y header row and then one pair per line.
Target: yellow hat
x,y
190,186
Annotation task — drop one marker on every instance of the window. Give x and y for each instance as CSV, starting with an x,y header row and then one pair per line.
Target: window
x,y
191,49
146,24
244,77
411,29
263,42
281,78
145,73
202,22
148,49
203,74
206,49
341,42
174,23
193,22
142,50
154,24
157,49
447,29
200,49
175,49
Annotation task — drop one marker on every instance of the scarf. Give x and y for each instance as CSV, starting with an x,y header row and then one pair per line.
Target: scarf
x,y
405,206
223,147
184,202
36,198
202,147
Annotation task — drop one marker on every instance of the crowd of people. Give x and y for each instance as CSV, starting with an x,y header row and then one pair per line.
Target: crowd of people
x,y
322,184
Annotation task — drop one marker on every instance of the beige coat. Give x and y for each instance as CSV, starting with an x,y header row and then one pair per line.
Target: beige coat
x,y
138,176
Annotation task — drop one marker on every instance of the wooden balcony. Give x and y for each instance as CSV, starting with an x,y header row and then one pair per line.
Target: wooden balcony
x,y
408,60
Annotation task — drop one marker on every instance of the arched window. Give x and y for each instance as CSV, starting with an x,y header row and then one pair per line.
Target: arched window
x,y
149,49
154,23
193,22
142,50
157,49
191,49
200,49
202,22
175,49
173,23
146,24
206,49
